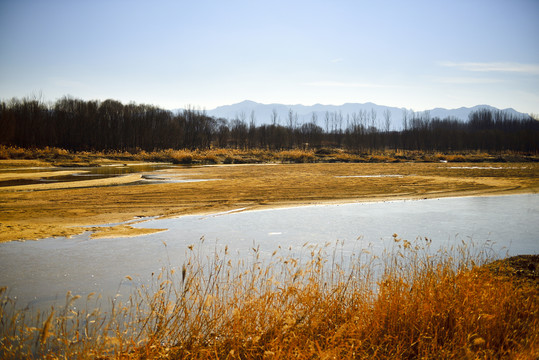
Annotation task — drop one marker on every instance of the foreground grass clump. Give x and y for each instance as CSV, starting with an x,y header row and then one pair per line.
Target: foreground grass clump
x,y
323,303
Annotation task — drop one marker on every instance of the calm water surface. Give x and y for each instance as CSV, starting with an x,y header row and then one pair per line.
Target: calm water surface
x,y
39,273
83,173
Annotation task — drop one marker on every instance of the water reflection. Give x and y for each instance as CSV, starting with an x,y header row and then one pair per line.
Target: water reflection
x,y
82,173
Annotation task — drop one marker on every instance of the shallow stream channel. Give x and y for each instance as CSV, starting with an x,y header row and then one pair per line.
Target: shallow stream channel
x,y
38,274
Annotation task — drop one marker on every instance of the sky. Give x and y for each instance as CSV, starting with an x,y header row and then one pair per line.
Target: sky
x,y
172,54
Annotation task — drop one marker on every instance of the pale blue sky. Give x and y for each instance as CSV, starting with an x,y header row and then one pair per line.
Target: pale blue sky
x,y
413,54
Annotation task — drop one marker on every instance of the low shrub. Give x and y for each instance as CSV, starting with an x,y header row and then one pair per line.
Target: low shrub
x,y
180,156
297,156
455,158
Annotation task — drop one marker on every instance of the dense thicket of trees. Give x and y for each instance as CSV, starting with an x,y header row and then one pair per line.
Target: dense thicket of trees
x,y
110,125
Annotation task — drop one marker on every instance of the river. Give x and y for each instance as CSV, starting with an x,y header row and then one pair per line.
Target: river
x,y
39,273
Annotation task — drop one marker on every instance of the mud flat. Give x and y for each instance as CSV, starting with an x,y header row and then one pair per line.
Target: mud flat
x,y
52,209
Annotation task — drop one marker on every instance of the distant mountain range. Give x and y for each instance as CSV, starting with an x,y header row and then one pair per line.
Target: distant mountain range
x,y
263,113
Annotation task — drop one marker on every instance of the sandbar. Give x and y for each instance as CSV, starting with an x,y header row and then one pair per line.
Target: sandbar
x,y
30,212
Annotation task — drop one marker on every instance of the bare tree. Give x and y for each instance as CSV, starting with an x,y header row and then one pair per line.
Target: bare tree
x,y
274,117
363,118
327,122
290,118
387,119
404,119
242,117
373,119
252,130
252,118
355,121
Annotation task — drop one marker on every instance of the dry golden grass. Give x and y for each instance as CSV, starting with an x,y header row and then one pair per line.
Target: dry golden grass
x,y
412,303
64,157
59,209
297,156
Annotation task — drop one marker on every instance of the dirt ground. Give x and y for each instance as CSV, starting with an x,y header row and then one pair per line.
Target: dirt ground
x,y
524,268
62,209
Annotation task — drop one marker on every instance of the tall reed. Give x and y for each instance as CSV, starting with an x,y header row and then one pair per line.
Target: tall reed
x,y
323,302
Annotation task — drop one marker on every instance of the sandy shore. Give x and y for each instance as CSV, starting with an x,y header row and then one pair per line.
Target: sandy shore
x,y
62,209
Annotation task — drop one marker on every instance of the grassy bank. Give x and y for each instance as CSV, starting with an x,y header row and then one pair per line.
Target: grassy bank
x,y
411,303
61,157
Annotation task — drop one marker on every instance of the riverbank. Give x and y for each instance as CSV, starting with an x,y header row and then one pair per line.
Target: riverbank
x,y
63,208
61,157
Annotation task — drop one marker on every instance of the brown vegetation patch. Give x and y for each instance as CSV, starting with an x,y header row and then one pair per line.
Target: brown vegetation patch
x,y
523,268
60,157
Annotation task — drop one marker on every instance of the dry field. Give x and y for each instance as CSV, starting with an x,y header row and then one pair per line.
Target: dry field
x,y
60,209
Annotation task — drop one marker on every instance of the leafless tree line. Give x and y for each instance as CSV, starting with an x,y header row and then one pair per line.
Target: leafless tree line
x,y
76,124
